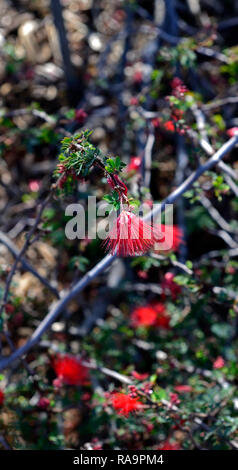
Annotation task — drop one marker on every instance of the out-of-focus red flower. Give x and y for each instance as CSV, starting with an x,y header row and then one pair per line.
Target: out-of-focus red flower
x,y
80,115
57,383
86,396
178,87
139,376
183,388
167,445
168,284
218,363
34,186
135,164
1,397
130,235
43,403
150,315
123,404
9,308
70,370
155,122
169,126
142,274
163,318
143,316
137,76
232,131
176,82
174,399
169,238
134,101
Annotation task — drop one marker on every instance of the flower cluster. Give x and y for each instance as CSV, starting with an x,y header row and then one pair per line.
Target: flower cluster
x,y
153,314
124,404
70,370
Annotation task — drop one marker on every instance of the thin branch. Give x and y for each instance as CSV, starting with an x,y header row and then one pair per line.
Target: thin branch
x,y
15,252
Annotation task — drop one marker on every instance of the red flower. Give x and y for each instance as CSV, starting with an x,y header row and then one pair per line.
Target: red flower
x,y
155,122
178,87
142,274
150,315
167,445
143,316
183,388
80,115
9,308
163,318
43,403
1,397
134,101
168,284
169,238
169,126
218,363
130,235
123,404
174,399
134,164
70,370
137,76
232,131
176,82
34,185
139,376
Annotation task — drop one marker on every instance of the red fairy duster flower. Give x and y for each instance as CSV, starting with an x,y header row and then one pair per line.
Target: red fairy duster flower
x,y
143,316
183,388
135,164
1,397
130,235
232,131
218,363
169,126
168,238
123,404
162,319
150,315
139,376
70,370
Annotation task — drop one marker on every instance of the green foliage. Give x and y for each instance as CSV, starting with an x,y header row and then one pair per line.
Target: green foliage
x,y
114,165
